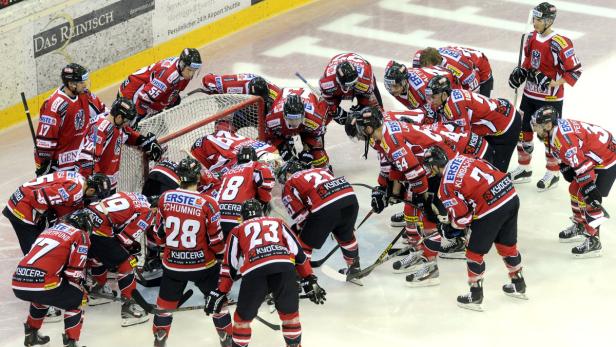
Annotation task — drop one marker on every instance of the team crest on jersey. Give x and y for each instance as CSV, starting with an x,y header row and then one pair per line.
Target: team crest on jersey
x,y
454,70
47,120
79,120
561,42
535,59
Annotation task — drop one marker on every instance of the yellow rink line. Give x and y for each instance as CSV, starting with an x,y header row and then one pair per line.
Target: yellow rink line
x,y
197,38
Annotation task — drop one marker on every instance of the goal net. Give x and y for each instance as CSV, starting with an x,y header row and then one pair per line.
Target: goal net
x,y
178,128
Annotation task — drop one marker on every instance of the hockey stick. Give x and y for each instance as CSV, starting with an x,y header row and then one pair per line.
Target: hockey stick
x,y
381,259
195,91
522,39
312,89
317,263
29,117
151,309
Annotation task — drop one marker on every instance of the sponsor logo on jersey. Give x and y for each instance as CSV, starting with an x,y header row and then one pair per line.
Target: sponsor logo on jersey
x,y
449,53
181,199
216,217
457,95
63,194
273,123
383,144
450,203
82,250
452,169
174,77
399,153
47,120
570,153
565,127
308,107
411,99
455,71
569,53
218,81
235,90
118,146
328,85
393,127
561,42
245,76
362,87
273,94
159,84
447,111
142,224
415,80
498,190
310,124
79,120
68,157
57,102
470,79
43,143
535,59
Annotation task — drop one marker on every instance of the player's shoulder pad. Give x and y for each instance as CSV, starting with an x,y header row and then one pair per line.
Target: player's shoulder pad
x,y
105,126
327,85
173,76
458,95
559,43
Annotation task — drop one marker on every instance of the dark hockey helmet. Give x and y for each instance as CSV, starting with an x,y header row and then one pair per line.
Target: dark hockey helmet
x,y
346,75
191,58
189,170
544,10
251,208
368,117
545,115
100,183
258,86
83,220
246,154
124,107
289,168
293,111
153,200
437,85
435,156
74,73
395,74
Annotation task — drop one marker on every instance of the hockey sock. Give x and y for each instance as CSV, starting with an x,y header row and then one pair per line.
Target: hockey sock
x,y
291,328
475,266
349,249
37,315
126,279
241,331
578,217
222,321
525,141
511,257
99,273
73,319
162,321
551,163
431,246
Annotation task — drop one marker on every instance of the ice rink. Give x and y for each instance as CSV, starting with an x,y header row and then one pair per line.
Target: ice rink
x,y
572,302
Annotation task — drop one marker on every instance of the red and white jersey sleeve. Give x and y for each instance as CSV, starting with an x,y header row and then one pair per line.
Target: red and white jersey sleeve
x,y
461,66
61,191
244,182
233,84
193,237
154,87
477,113
462,142
260,244
479,59
555,57
472,188
124,215
418,79
58,254
209,183
310,190
583,147
63,123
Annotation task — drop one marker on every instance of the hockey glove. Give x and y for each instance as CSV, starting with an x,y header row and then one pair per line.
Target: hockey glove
x,y
418,200
341,116
349,127
287,150
306,157
150,146
379,199
267,208
449,232
540,79
592,195
134,248
47,219
567,171
214,301
44,168
312,289
517,77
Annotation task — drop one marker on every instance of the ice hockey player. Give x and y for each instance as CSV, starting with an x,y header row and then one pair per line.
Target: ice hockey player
x,y
452,59
298,112
157,87
495,119
248,179
161,178
348,76
38,203
319,204
190,230
549,63
242,83
123,218
280,260
587,155
51,274
482,198
65,119
101,149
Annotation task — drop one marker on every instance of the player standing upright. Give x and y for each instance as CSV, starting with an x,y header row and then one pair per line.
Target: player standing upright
x,y
348,76
549,63
158,86
190,230
65,119
587,154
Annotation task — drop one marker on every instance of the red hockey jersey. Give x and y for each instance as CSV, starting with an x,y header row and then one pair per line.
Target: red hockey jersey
x,y
472,188
244,182
193,237
474,112
276,130
583,147
61,191
235,84
63,123
479,59
310,190
58,254
264,243
155,87
555,57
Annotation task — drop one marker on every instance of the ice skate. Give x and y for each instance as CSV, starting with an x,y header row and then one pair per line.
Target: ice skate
x,y
397,220
410,263
33,337
427,275
573,233
453,248
100,295
54,315
521,175
352,269
590,248
517,287
132,314
549,181
70,342
473,299
160,338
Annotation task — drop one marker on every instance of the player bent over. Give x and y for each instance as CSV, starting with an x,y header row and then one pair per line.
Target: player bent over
x,y
269,257
482,198
587,154
190,229
51,274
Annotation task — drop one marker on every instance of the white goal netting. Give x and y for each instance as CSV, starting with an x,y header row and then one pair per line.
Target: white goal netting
x,y
178,128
